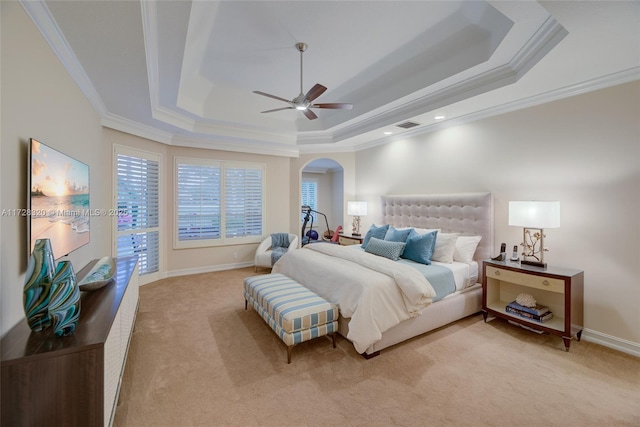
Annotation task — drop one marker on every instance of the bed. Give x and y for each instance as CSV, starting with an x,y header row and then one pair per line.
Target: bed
x,y
399,306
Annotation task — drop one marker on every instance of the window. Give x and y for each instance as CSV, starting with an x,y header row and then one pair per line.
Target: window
x,y
243,201
137,195
218,202
309,196
198,200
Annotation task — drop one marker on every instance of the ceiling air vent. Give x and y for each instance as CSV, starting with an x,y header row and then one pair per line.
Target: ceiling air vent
x,y
408,125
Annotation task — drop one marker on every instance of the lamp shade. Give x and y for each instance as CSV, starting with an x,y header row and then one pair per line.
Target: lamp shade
x,y
535,214
357,208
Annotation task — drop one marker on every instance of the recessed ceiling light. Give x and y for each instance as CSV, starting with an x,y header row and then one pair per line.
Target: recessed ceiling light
x,y
439,117
388,132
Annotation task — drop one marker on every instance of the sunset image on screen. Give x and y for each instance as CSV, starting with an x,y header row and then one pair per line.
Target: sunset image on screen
x,y
59,198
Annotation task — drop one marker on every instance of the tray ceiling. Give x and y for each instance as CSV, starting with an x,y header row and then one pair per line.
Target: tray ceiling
x,y
183,72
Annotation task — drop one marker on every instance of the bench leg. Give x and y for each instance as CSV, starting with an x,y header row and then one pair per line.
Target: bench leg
x,y
245,303
289,348
333,338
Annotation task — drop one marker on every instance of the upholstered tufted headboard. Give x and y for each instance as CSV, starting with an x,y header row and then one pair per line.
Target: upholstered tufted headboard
x,y
469,214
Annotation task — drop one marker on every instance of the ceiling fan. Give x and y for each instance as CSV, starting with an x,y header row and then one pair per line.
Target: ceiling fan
x,y
303,102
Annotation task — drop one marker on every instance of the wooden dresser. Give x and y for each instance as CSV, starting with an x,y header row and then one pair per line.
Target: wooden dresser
x,y
74,380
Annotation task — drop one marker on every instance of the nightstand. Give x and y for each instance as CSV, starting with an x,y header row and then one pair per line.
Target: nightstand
x,y
349,239
560,289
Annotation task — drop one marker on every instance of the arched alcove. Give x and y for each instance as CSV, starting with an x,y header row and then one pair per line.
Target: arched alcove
x,y
328,176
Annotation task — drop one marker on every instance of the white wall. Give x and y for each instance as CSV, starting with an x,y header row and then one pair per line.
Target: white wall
x,y
583,151
336,193
40,100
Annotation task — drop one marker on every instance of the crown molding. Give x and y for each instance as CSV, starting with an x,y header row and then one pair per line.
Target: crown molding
x,y
335,148
316,137
613,79
223,143
122,124
43,20
545,38
239,145
173,118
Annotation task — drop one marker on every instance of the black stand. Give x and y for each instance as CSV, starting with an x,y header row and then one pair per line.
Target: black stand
x,y
309,218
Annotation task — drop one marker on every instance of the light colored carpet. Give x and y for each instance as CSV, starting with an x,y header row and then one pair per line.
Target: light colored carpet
x,y
197,358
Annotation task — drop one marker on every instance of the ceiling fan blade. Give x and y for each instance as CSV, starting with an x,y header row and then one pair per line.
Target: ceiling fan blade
x,y
310,114
272,96
333,106
277,109
304,102
314,92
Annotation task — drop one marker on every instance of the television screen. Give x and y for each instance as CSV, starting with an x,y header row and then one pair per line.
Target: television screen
x,y
58,199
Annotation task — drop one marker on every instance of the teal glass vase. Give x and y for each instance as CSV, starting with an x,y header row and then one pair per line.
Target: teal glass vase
x,y
64,300
37,286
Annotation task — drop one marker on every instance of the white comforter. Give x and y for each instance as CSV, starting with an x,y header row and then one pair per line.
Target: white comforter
x,y
374,292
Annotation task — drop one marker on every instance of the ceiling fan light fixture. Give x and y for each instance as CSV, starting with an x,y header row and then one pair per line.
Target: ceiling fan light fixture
x,y
304,102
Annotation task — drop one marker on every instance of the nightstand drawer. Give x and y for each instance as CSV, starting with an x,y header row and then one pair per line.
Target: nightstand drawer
x,y
529,280
346,240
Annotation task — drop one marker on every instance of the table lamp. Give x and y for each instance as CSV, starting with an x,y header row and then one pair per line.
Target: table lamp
x,y
357,209
534,216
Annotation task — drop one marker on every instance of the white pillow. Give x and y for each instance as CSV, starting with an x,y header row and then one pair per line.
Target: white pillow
x,y
445,247
466,248
422,231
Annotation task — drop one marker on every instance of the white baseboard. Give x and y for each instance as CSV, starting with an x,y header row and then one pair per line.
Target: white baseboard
x,y
610,341
209,269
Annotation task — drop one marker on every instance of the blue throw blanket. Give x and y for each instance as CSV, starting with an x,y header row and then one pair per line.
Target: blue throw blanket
x,y
441,278
279,245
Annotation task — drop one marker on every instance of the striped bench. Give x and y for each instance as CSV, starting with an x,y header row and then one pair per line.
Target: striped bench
x,y
295,313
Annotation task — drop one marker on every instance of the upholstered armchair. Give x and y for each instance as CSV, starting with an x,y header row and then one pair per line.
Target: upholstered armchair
x,y
263,253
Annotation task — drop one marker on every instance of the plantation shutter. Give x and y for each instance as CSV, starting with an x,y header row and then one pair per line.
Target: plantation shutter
x,y
310,195
218,203
198,202
138,211
243,190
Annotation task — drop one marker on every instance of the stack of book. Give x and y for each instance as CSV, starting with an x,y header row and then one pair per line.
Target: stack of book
x,y
538,313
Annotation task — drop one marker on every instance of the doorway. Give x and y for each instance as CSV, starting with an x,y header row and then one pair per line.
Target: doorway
x,y
322,188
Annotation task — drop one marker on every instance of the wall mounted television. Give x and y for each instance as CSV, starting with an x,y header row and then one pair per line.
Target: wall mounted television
x,y
58,200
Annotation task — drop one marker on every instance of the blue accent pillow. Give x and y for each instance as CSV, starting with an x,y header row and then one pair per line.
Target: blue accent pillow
x,y
385,248
395,235
420,247
377,232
